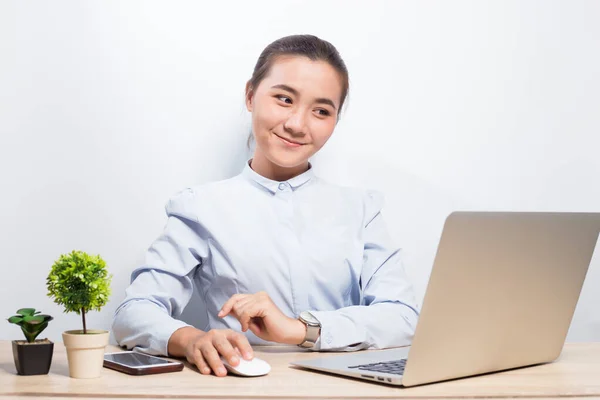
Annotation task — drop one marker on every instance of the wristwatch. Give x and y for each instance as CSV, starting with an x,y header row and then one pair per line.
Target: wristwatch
x,y
313,329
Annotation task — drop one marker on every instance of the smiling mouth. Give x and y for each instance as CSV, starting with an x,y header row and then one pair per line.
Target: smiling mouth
x,y
289,142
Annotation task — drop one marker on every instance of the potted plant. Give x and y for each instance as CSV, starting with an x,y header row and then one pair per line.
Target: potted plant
x,y
32,357
80,282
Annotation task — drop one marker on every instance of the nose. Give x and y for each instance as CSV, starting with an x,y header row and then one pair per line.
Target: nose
x,y
295,124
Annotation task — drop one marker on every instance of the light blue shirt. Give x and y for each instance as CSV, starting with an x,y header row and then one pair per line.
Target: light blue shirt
x,y
310,245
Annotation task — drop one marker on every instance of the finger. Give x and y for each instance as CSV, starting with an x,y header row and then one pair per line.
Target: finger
x,y
255,327
242,311
242,344
200,362
214,361
194,357
229,304
241,303
226,350
249,313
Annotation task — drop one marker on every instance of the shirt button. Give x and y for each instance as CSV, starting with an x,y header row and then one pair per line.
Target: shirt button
x,y
282,186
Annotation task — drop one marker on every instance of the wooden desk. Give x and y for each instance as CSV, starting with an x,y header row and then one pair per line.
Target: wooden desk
x,y
575,374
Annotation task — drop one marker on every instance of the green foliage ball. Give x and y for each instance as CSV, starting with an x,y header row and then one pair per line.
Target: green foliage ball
x,y
79,281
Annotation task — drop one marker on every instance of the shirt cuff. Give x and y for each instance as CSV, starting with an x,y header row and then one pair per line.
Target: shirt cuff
x,y
164,330
338,332
144,327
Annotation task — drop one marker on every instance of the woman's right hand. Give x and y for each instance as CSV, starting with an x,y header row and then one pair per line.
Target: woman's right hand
x,y
204,349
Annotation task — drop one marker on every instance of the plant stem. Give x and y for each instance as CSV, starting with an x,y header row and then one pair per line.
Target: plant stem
x,y
83,318
30,338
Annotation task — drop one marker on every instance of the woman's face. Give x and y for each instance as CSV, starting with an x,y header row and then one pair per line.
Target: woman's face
x,y
294,110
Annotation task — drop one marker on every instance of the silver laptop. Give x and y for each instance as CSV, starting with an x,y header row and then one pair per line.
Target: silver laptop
x,y
501,295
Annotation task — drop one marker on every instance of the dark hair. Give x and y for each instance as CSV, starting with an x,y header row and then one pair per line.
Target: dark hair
x,y
308,46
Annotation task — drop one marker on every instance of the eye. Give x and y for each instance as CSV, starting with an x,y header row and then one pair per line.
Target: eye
x,y
285,99
322,112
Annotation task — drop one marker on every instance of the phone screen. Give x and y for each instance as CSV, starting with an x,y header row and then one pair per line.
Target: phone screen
x,y
132,359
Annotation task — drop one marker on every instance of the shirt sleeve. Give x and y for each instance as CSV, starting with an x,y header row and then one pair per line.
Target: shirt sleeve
x,y
161,288
387,315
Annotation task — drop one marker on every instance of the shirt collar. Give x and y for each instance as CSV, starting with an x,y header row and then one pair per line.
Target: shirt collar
x,y
272,185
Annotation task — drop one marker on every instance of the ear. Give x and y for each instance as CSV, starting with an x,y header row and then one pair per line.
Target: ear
x,y
249,96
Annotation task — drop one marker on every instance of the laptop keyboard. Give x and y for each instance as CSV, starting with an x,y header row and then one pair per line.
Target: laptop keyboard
x,y
395,367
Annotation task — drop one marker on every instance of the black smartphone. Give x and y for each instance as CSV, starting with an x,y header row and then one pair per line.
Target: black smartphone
x,y
134,363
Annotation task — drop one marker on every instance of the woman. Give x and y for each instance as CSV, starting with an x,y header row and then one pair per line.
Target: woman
x,y
278,254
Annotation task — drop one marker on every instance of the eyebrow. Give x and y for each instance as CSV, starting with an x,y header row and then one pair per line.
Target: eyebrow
x,y
320,100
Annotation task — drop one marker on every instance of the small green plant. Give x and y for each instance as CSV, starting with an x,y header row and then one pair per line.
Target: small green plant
x,y
79,282
32,323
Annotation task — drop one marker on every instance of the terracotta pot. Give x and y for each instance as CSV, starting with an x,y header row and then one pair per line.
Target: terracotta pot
x,y
32,358
85,353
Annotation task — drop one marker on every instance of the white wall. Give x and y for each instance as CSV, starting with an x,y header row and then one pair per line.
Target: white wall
x,y
108,108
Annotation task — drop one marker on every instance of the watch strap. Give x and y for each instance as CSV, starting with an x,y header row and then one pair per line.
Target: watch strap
x,y
312,334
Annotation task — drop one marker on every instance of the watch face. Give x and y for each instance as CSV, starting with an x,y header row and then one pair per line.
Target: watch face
x,y
308,317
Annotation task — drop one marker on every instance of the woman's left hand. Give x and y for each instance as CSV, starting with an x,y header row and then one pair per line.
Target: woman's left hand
x,y
258,313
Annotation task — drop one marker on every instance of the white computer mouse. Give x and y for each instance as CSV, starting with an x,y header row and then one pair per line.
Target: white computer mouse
x,y
254,367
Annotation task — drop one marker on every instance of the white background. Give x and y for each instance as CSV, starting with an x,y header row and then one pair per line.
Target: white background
x,y
109,108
